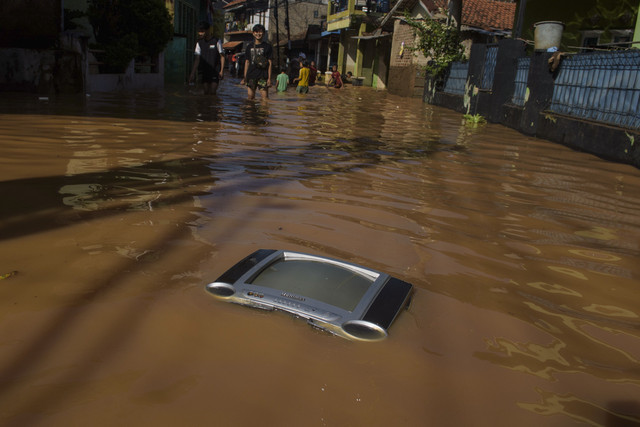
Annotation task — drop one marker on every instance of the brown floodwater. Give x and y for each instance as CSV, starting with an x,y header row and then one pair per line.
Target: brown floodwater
x,y
117,209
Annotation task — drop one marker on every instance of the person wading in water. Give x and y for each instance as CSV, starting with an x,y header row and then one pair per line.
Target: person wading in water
x,y
209,60
257,65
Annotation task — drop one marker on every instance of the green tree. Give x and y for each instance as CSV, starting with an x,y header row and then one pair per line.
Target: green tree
x,y
438,40
125,29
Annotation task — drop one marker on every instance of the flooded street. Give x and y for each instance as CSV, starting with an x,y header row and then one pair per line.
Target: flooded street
x,y
116,211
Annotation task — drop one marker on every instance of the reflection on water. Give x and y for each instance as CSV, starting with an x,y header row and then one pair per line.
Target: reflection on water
x,y
118,208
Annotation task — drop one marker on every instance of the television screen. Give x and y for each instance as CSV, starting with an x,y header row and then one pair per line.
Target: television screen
x,y
337,296
321,281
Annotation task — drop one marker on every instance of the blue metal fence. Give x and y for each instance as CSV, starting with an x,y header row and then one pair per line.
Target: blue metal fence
x,y
489,68
600,86
457,79
520,83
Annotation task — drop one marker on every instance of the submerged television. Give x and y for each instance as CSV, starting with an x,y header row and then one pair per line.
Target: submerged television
x,y
345,299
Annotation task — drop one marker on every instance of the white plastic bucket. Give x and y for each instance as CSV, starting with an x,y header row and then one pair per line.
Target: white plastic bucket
x,y
547,34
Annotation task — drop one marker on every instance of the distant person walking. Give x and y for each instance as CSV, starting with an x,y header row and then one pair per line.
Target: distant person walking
x,y
283,81
303,78
313,73
336,79
257,65
209,60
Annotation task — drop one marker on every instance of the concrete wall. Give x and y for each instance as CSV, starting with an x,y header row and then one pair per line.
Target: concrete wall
x,y
68,70
127,81
534,118
26,70
45,71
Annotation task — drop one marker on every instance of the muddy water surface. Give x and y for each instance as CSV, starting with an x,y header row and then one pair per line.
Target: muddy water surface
x,y
116,210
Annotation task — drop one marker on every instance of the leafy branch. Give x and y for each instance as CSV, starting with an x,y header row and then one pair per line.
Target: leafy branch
x,y
438,41
127,28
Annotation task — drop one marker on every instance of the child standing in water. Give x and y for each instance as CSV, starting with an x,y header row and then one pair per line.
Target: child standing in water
x,y
257,64
209,60
336,79
303,78
283,80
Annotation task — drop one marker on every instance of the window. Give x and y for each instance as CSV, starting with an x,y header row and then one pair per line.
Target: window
x,y
621,38
184,19
590,39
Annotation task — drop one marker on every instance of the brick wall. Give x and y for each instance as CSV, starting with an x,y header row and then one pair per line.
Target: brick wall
x,y
405,70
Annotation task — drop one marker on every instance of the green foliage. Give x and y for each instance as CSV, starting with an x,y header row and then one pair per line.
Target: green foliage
x,y
602,16
125,29
438,41
474,120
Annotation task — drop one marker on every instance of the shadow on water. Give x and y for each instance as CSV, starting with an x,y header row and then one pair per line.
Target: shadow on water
x,y
162,105
623,413
62,200
36,205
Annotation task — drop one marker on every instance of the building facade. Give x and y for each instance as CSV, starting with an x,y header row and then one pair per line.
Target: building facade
x,y
483,21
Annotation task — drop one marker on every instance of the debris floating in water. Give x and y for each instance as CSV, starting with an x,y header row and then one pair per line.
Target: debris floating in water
x,y
8,275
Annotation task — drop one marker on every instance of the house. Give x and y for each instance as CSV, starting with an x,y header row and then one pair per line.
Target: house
x,y
306,20
24,36
588,23
483,21
36,40
239,18
292,26
361,49
178,55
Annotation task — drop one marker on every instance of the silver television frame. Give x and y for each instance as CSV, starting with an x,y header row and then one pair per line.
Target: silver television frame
x,y
369,320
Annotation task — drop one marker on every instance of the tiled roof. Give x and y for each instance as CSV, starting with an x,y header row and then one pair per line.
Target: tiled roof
x,y
485,14
234,3
488,14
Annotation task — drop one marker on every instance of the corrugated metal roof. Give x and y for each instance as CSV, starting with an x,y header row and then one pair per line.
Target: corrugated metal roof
x,y
231,45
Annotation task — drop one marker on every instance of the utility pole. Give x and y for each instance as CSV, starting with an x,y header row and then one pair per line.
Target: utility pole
x,y
275,16
286,24
522,5
455,12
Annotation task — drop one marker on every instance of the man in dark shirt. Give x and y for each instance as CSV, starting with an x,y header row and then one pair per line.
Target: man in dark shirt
x,y
257,65
209,60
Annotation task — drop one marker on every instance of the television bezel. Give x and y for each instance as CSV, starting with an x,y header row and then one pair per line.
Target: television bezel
x,y
236,286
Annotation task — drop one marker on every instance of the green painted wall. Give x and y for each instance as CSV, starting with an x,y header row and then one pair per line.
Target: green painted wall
x,y
175,67
636,36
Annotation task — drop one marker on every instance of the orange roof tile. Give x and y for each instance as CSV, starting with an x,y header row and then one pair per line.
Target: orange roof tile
x,y
488,14
234,3
485,14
